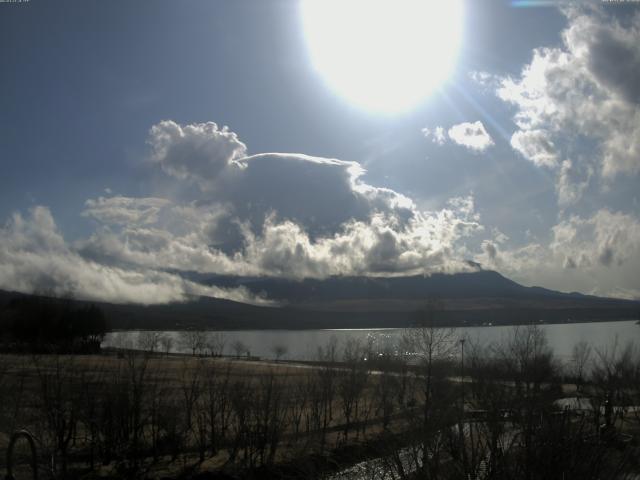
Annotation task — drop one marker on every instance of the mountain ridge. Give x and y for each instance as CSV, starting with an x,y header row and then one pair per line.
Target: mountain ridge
x,y
485,283
474,298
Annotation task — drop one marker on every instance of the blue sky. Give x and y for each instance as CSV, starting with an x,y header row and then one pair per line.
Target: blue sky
x,y
543,191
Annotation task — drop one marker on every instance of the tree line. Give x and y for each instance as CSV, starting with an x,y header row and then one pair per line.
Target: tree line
x,y
45,324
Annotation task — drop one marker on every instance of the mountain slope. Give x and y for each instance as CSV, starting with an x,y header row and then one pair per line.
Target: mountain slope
x,y
474,298
481,284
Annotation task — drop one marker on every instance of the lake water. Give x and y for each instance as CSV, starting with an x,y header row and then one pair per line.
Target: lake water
x,y
303,344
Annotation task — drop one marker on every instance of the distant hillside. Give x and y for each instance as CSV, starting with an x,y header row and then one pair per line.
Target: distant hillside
x,y
456,286
475,298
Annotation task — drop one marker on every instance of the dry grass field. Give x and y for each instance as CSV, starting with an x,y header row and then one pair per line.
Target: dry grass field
x,y
106,415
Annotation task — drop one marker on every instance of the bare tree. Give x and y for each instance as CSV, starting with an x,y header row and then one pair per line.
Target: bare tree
x,y
613,374
192,391
324,393
268,415
279,350
298,404
215,343
59,401
157,406
166,341
428,347
239,348
580,356
528,363
386,388
193,340
217,405
148,341
352,381
121,340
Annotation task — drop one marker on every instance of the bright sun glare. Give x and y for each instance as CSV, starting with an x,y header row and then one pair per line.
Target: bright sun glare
x,y
383,55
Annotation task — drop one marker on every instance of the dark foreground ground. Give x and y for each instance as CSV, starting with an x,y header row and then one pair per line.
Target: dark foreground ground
x,y
145,415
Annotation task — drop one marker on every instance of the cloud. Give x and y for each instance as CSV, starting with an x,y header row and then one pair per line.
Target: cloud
x,y
197,152
606,239
572,180
599,254
437,135
288,215
490,249
471,135
535,145
582,97
124,210
321,194
34,256
274,214
379,244
295,216
487,81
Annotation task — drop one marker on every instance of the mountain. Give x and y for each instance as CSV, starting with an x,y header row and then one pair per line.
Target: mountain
x,y
472,298
439,285
477,297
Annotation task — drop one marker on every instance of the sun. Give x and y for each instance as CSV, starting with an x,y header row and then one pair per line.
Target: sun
x,y
383,55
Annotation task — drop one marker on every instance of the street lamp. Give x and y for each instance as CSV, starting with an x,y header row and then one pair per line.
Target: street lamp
x,y
462,340
462,417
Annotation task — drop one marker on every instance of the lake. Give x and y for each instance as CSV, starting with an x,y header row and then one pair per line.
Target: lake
x,y
303,344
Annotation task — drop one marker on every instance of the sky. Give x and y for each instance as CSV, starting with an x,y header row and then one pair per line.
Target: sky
x,y
141,141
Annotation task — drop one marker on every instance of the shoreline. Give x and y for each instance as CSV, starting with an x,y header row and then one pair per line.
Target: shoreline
x,y
303,328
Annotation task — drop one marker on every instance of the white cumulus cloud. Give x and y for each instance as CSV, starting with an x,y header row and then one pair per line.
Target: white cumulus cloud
x,y
584,97
471,135
197,151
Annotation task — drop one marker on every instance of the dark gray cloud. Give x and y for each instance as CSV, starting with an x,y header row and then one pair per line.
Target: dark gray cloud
x,y
614,58
319,193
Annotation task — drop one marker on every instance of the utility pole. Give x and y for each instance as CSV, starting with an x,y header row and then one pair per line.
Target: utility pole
x,y
462,416
462,340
